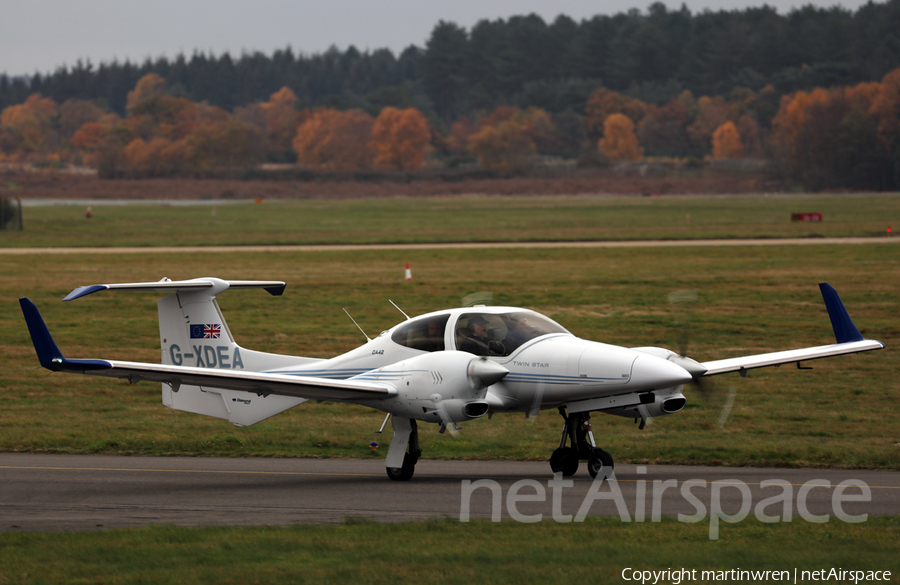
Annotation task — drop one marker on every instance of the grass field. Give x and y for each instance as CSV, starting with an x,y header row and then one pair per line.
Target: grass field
x,y
446,219
442,552
843,413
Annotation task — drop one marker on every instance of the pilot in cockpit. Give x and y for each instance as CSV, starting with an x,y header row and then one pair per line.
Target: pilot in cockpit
x,y
475,339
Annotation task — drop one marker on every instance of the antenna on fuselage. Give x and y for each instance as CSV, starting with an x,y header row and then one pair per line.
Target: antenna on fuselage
x,y
399,309
357,326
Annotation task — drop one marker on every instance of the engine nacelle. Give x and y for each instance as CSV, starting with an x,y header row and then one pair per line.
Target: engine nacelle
x,y
655,404
440,387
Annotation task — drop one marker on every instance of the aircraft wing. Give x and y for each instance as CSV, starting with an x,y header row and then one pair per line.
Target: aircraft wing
x,y
847,337
787,357
257,382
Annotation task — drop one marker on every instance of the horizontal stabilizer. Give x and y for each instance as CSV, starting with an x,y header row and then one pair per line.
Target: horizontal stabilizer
x,y
213,285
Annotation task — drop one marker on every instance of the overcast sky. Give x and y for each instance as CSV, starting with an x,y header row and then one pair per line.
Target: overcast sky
x,y
42,35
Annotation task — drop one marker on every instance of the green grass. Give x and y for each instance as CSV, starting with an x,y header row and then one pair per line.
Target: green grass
x,y
456,219
843,413
441,552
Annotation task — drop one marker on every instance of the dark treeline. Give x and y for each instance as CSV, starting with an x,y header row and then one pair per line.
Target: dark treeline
x,y
524,61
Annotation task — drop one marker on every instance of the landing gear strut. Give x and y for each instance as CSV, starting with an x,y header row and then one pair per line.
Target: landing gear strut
x,y
577,431
405,432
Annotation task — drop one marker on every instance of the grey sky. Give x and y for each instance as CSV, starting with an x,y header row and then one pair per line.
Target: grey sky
x,y
42,35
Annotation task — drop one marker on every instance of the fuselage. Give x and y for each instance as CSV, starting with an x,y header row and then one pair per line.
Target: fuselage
x,y
548,366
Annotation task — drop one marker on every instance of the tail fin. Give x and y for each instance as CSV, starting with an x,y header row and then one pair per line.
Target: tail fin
x,y
193,332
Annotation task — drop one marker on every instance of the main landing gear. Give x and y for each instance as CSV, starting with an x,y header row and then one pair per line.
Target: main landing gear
x,y
577,430
406,432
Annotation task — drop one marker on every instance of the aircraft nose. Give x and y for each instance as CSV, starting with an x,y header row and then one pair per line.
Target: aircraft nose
x,y
653,373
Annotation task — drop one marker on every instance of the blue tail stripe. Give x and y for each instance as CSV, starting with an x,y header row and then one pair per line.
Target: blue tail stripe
x,y
844,329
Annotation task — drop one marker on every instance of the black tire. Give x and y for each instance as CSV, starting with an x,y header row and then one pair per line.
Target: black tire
x,y
565,460
404,473
600,464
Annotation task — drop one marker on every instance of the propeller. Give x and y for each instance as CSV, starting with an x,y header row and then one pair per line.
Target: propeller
x,y
483,297
446,423
682,302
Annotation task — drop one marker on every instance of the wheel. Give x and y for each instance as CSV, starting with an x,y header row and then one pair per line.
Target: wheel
x,y
600,464
565,460
404,473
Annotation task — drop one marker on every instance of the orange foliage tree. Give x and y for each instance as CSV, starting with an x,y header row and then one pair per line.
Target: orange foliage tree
x,y
400,139
224,144
504,148
278,119
26,129
149,86
726,142
335,140
158,157
835,138
603,103
458,139
619,142
75,113
711,114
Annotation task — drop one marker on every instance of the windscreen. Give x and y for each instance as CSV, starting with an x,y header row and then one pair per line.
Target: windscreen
x,y
501,334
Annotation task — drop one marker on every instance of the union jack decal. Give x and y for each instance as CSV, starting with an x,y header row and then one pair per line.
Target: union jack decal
x,y
206,331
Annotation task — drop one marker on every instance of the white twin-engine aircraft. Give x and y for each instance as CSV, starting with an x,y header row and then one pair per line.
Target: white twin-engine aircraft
x,y
445,367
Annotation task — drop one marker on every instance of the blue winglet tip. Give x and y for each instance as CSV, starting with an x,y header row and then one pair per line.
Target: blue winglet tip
x,y
83,291
47,351
844,329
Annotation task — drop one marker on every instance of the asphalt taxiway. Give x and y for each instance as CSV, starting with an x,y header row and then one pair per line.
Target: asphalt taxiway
x,y
77,492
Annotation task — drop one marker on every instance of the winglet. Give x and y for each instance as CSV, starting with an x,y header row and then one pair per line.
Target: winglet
x,y
844,329
83,291
47,351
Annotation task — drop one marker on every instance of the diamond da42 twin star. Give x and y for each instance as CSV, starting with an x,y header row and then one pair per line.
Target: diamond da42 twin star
x,y
445,367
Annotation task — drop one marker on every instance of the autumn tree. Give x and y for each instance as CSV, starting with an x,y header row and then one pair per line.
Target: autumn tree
x,y
662,130
278,119
75,113
149,86
457,141
603,103
224,144
27,129
619,142
400,139
830,139
504,148
711,114
726,142
159,157
335,140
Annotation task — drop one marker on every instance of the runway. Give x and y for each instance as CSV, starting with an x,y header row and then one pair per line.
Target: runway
x,y
78,493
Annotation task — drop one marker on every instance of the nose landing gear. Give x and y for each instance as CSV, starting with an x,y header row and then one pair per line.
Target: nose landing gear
x,y
577,431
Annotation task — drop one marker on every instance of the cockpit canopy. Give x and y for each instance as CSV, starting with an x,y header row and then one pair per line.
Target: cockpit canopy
x,y
426,334
482,333
500,334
